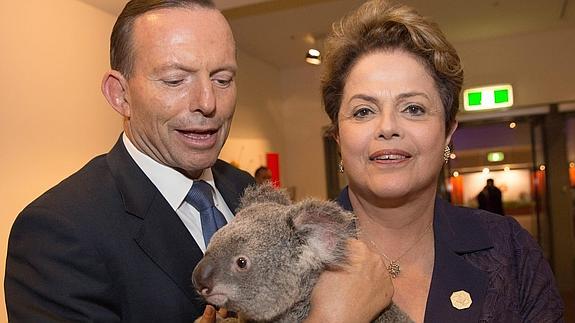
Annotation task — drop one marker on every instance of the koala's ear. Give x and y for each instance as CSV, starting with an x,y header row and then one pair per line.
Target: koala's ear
x,y
325,227
264,193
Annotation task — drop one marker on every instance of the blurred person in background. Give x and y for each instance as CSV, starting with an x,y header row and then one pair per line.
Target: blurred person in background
x,y
490,199
262,175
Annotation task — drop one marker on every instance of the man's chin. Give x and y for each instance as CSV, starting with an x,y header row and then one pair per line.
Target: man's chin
x,y
195,167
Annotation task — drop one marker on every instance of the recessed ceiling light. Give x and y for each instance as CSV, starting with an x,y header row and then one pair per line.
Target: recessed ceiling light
x,y
313,57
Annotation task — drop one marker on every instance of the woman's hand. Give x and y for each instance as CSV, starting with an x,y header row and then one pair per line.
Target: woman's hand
x,y
358,293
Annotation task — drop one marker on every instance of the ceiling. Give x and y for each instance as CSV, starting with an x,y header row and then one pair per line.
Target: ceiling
x,y
280,31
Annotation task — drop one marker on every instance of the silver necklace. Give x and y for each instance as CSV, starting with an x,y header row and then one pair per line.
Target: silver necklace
x,y
393,266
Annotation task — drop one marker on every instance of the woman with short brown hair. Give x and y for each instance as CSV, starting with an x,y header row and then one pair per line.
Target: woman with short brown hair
x,y
391,90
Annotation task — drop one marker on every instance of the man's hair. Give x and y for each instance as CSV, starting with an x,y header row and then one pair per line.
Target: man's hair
x,y
121,51
377,26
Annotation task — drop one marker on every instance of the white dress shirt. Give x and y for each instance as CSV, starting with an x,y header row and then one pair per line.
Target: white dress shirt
x,y
174,186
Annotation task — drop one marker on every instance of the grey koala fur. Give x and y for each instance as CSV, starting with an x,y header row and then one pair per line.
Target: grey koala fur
x,y
265,262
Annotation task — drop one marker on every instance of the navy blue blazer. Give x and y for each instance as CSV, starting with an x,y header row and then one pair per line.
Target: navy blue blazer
x,y
105,246
492,258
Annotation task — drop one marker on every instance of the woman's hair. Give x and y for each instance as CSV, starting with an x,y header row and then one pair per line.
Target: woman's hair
x,y
378,26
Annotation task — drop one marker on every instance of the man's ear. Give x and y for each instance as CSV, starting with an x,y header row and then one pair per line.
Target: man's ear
x,y
115,89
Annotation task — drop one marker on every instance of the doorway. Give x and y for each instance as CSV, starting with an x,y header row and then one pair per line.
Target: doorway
x,y
511,154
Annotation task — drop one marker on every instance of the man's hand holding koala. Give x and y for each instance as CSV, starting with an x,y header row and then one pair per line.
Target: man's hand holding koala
x,y
265,263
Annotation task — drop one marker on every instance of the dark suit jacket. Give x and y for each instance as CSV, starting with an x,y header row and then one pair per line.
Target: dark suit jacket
x,y
105,246
494,260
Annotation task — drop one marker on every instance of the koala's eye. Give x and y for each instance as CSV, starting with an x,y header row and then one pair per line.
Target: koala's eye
x,y
242,263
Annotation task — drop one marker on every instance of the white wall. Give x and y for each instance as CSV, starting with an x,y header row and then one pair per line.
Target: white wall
x,y
52,116
302,132
256,124
539,66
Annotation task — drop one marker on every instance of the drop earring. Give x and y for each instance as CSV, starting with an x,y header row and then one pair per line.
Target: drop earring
x,y
446,153
340,166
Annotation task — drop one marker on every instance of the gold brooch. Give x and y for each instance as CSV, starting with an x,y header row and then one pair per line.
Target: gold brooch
x,y
461,300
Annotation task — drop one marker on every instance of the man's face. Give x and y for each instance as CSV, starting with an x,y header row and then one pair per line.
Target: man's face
x,y
181,93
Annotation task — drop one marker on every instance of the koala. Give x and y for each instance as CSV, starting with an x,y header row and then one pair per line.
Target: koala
x,y
265,262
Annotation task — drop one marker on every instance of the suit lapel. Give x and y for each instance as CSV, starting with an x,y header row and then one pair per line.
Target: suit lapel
x,y
453,276
166,240
162,235
226,186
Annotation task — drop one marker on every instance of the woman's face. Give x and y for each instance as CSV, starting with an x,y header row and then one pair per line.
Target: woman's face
x,y
391,127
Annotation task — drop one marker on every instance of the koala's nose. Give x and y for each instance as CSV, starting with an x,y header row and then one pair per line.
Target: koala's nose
x,y
202,277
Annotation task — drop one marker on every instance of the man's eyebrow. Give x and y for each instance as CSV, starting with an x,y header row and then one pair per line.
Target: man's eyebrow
x,y
181,67
227,68
172,66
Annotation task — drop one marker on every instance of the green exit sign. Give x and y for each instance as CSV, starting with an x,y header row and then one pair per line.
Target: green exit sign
x,y
495,156
488,97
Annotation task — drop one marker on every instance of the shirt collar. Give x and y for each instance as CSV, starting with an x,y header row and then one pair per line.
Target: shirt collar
x,y
173,185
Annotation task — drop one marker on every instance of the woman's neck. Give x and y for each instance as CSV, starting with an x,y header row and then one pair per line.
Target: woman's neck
x,y
397,214
391,226
401,230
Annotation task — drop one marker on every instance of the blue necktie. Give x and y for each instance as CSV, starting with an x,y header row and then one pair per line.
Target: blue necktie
x,y
200,197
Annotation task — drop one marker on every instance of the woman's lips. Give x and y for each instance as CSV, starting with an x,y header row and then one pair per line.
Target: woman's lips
x,y
389,155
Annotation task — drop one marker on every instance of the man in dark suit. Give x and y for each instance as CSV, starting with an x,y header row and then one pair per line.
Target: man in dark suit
x,y
119,239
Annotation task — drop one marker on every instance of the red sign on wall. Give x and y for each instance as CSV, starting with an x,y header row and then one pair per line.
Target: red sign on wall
x,y
273,163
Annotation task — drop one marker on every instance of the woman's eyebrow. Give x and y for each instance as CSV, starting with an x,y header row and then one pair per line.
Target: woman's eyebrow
x,y
412,94
364,97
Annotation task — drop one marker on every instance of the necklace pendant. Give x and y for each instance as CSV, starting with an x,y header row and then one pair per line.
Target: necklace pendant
x,y
393,269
